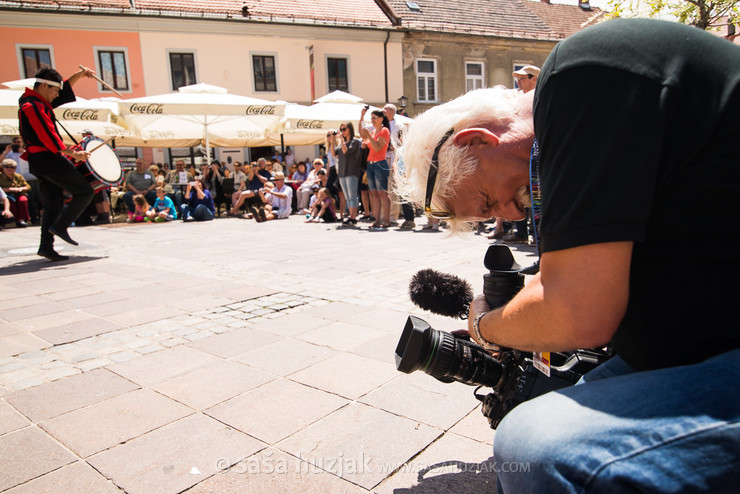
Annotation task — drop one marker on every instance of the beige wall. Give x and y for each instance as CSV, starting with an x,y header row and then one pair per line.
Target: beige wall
x,y
452,51
223,58
222,50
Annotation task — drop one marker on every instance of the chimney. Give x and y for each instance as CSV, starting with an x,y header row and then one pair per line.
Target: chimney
x,y
584,4
545,1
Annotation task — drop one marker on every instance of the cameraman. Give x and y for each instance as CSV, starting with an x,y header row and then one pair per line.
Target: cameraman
x,y
637,123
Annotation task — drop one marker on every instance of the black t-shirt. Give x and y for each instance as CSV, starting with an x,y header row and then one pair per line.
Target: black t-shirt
x,y
638,123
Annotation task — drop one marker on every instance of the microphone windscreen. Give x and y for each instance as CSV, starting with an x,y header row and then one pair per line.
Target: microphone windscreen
x,y
440,293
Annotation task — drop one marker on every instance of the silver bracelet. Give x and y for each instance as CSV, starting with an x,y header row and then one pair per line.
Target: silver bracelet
x,y
487,345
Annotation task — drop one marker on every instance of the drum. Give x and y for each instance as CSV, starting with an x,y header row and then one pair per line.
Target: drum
x,y
102,169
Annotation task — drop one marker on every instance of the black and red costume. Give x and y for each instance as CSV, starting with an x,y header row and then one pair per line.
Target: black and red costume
x,y
55,172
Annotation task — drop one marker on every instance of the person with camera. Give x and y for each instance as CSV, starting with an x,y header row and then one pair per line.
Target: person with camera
x,y
637,124
348,150
199,203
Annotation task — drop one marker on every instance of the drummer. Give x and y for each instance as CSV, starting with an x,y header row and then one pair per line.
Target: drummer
x,y
48,156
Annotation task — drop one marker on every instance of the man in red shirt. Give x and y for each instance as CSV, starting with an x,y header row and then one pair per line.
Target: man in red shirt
x,y
48,156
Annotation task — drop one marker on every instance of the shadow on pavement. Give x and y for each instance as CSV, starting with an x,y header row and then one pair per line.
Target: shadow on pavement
x,y
40,263
470,477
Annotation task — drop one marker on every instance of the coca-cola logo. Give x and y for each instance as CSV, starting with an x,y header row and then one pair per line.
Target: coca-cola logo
x,y
8,129
147,109
260,110
80,114
246,134
310,124
156,134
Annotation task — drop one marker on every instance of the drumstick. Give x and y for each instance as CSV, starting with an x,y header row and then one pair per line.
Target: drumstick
x,y
101,144
101,81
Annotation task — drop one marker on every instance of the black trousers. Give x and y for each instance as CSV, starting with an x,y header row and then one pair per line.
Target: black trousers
x,y
57,174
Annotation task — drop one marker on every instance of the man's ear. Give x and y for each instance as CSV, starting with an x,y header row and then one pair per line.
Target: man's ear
x,y
475,136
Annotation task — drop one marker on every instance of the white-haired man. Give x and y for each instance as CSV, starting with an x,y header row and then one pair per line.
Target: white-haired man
x,y
629,153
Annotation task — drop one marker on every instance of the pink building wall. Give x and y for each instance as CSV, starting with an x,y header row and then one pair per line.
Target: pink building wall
x,y
71,48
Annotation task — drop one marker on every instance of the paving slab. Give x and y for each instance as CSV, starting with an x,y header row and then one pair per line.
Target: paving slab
x,y
451,464
16,448
276,410
341,335
174,457
11,419
285,356
77,478
235,342
272,470
107,423
62,396
161,366
347,375
213,383
421,397
77,330
358,453
20,342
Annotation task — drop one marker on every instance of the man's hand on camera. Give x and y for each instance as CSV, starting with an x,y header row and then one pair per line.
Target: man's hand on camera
x,y
477,306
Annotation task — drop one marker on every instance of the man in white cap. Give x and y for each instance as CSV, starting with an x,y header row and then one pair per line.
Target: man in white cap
x,y
526,77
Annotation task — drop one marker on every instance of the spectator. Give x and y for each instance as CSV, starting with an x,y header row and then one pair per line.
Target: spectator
x,y
389,110
277,199
257,176
178,179
139,181
141,206
15,150
299,176
377,167
304,191
324,209
5,213
163,208
348,149
199,205
289,158
17,190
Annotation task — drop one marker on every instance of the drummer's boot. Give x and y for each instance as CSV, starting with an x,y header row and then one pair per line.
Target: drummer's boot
x,y
61,232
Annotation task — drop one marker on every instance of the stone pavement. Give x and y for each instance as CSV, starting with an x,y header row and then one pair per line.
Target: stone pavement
x,y
230,356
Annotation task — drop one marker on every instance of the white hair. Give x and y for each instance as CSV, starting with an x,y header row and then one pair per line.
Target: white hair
x,y
497,105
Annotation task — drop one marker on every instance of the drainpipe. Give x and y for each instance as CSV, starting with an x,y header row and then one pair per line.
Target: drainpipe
x,y
385,63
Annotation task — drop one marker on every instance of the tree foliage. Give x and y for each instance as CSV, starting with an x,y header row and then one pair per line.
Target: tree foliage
x,y
703,14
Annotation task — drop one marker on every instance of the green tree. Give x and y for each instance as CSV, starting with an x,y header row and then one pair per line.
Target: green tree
x,y
700,13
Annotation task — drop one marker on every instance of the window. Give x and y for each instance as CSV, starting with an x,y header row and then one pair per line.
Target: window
x,y
112,66
426,80
264,73
182,69
35,59
474,78
337,74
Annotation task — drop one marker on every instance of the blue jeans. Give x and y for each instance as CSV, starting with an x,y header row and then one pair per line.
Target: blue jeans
x,y
349,187
377,175
669,430
199,213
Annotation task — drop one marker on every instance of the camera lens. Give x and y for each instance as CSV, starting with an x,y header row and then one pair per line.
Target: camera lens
x,y
443,356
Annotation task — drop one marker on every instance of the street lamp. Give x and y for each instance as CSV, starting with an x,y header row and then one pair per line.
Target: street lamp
x,y
403,102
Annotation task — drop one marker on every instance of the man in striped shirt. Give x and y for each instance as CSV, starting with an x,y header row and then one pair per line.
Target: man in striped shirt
x,y
48,157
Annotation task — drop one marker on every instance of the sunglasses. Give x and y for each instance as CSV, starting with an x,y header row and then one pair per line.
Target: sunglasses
x,y
343,129
431,181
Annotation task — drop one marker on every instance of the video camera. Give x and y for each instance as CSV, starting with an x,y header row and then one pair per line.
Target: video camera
x,y
514,375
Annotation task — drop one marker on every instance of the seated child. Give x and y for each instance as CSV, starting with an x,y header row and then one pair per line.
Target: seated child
x,y
324,208
140,209
163,209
